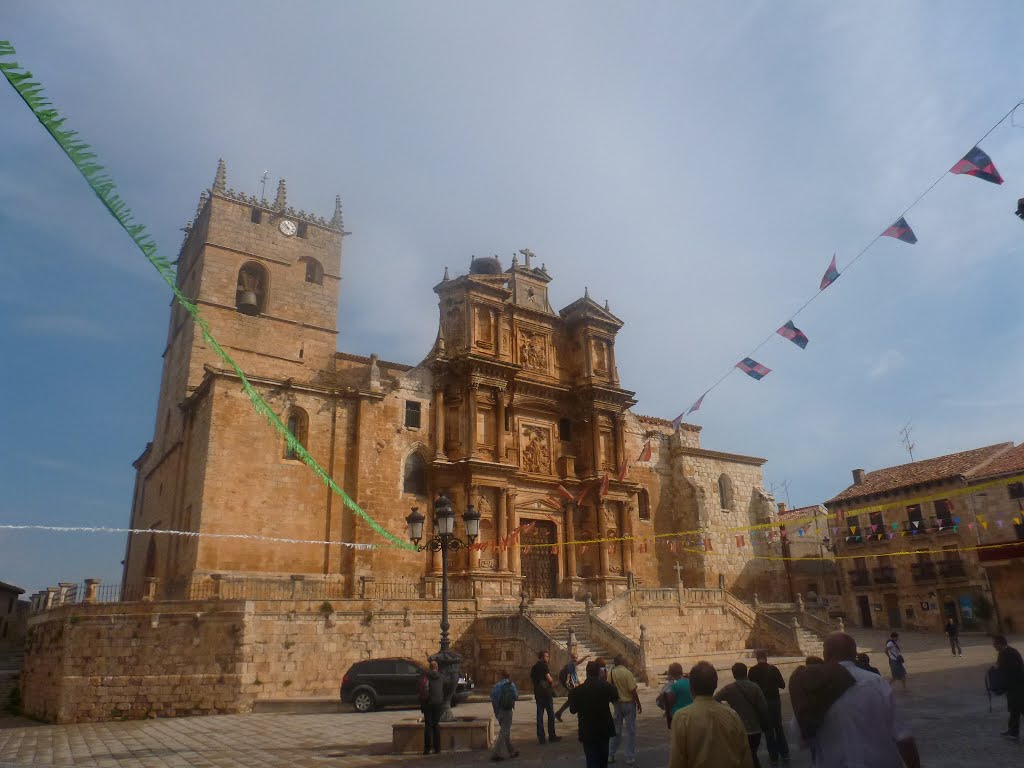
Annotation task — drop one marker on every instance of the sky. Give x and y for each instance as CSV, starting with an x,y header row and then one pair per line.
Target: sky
x,y
694,164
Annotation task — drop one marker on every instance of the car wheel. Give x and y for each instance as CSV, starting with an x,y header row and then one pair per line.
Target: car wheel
x,y
363,701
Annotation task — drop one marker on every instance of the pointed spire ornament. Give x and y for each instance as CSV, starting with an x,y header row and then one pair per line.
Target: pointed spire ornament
x,y
586,292
279,201
445,278
606,307
515,261
336,220
220,181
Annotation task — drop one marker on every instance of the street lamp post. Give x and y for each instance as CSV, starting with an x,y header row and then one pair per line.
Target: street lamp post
x,y
444,541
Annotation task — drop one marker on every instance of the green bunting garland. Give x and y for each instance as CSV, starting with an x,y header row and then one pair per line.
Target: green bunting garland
x,y
103,186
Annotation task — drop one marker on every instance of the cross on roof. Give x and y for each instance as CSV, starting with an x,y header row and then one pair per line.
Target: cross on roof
x,y
678,568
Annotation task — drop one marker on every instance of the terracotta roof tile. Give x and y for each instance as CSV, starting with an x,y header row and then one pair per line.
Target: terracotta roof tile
x,y
921,472
1010,462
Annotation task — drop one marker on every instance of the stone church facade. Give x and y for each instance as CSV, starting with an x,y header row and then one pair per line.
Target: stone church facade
x,y
514,400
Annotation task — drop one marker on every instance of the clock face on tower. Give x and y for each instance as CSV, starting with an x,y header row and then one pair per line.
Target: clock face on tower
x,y
287,227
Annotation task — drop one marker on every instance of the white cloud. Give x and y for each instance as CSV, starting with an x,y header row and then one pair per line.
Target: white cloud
x,y
890,360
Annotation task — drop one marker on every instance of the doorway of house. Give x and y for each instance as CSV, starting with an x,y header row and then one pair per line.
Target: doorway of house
x,y
892,607
864,607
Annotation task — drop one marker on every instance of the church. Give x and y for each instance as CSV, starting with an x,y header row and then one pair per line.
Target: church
x,y
517,409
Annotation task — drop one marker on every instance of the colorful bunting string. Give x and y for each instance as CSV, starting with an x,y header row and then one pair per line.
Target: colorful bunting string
x,y
103,186
975,163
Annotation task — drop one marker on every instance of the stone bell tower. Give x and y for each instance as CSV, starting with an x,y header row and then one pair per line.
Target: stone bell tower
x,y
265,277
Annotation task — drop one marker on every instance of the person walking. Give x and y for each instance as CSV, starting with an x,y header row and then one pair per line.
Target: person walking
x,y
676,694
626,710
848,714
769,679
896,663
748,701
1010,667
953,630
589,702
707,734
569,677
432,706
544,696
504,695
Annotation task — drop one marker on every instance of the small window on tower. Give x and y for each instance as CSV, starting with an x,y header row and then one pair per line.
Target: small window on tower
x,y
303,230
564,430
412,414
256,216
298,425
644,504
314,271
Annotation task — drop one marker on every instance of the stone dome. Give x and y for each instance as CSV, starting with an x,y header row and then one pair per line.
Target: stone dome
x,y
485,265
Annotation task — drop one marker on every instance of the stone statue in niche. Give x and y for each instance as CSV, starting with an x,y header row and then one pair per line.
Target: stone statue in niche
x,y
484,326
536,450
608,515
483,506
533,353
600,355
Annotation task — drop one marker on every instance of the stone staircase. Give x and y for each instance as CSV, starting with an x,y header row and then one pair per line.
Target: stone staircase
x,y
10,670
810,633
585,645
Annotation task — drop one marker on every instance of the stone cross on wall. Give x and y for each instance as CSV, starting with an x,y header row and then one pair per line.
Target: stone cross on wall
x,y
527,255
678,568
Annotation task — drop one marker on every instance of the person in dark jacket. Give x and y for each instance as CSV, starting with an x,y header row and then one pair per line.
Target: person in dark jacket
x,y
544,696
769,680
1011,669
432,709
590,702
864,662
953,630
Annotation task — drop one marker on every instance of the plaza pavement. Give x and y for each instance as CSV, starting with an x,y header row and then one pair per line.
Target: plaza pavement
x,y
946,705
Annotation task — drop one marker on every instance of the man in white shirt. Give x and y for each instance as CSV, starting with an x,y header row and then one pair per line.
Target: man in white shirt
x,y
862,727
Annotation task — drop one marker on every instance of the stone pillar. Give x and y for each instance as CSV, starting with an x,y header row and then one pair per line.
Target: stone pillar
x,y
216,579
603,557
596,439
644,650
67,591
91,588
471,433
570,535
51,598
499,431
613,367
439,423
473,555
496,323
515,559
626,527
588,357
149,595
620,440
501,529
297,580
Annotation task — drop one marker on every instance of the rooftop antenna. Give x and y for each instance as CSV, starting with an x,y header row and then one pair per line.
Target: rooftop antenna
x,y
263,186
905,439
784,485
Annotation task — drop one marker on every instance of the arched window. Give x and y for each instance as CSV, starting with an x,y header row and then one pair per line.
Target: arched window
x,y
414,477
298,425
314,271
725,492
251,293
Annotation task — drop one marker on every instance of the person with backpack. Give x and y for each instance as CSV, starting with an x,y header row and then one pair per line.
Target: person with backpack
x,y
569,678
504,695
1008,677
953,630
676,694
430,692
895,656
747,700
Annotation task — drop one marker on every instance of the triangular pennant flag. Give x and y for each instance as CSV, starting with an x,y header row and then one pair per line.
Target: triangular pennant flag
x,y
835,530
895,526
679,419
901,231
917,523
956,520
853,529
970,526
1016,521
583,494
622,472
604,486
891,535
696,405
800,531
565,492
999,523
707,544
554,549
874,528
830,276
977,163
739,541
753,369
583,549
646,453
794,334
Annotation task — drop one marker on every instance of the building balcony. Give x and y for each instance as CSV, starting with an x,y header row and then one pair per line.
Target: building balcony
x,y
860,578
952,569
924,572
885,574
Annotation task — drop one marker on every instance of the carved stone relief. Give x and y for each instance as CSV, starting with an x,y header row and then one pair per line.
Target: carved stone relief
x,y
599,355
455,324
533,353
536,449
